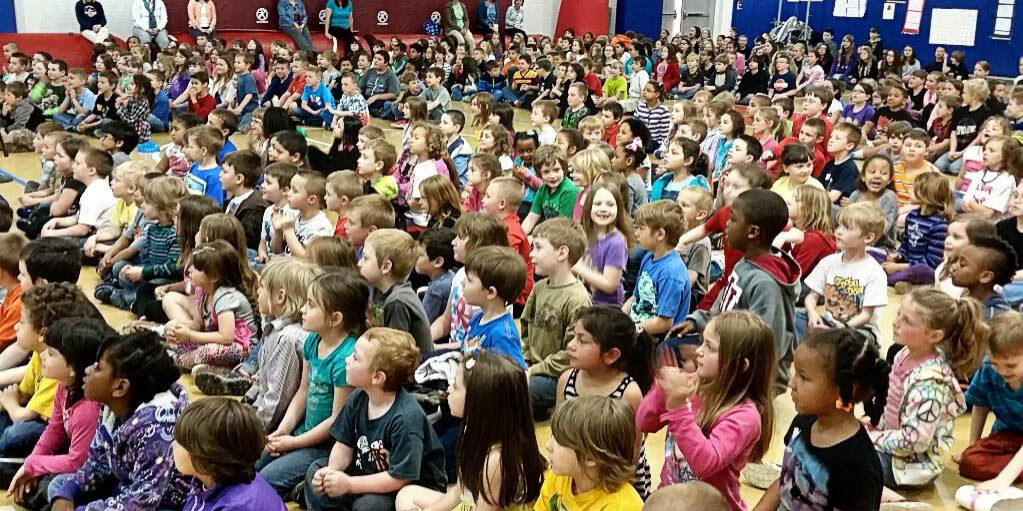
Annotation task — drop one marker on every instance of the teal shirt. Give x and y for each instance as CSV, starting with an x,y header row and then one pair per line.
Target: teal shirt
x,y
325,374
560,202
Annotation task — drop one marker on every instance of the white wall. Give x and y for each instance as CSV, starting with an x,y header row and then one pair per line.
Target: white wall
x,y
542,17
58,16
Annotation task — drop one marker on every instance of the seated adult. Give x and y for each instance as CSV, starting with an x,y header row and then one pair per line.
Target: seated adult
x,y
379,83
456,23
149,19
92,22
339,25
486,18
293,20
202,18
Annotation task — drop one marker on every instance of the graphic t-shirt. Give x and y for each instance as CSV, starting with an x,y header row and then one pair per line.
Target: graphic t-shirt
x,y
557,494
848,287
400,442
817,478
662,289
499,335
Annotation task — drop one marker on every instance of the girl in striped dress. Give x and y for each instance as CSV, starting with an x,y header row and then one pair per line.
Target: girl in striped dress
x,y
609,358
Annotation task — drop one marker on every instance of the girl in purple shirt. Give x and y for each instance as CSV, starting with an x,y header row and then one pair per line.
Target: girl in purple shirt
x,y
609,233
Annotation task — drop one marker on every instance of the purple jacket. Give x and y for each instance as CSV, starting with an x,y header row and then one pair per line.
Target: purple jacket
x,y
131,463
255,494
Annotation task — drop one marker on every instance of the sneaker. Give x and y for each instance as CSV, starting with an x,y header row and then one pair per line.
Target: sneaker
x,y
31,186
907,505
103,293
220,381
761,475
399,124
902,288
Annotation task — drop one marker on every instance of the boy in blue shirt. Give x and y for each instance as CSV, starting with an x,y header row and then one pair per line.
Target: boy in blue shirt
x,y
494,277
247,98
159,116
203,178
317,102
661,297
225,122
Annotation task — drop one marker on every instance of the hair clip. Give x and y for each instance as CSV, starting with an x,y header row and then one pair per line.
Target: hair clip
x,y
841,405
470,363
635,146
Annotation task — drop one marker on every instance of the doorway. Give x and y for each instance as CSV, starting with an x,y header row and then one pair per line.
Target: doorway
x,y
682,14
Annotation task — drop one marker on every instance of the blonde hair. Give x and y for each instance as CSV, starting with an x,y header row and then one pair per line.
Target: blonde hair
x,y
331,251
507,188
934,195
771,117
696,495
294,276
602,431
590,163
814,209
395,246
395,354
965,334
704,200
345,183
591,123
164,193
133,172
863,216
747,367
373,211
563,232
978,88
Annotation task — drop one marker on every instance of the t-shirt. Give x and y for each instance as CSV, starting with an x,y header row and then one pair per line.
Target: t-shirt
x,y
716,224
560,202
461,311
266,232
96,204
966,124
610,251
904,178
818,478
400,442
697,258
859,118
499,335
662,289
205,182
557,494
10,315
401,309
848,287
39,388
325,374
247,86
992,189
884,117
547,135
783,83
227,149
840,176
306,230
317,98
225,299
989,389
436,297
440,94
787,189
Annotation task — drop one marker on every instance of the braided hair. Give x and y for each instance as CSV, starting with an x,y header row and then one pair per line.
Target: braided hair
x,y
143,361
857,368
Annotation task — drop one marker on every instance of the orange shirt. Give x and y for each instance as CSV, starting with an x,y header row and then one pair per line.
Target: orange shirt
x,y
10,315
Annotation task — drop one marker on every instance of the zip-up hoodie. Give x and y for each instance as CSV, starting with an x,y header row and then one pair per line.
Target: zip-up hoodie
x,y
768,286
131,462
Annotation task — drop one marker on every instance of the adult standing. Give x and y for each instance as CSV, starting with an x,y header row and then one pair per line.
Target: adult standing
x,y
92,21
202,18
294,21
514,19
340,25
456,23
379,83
486,18
150,22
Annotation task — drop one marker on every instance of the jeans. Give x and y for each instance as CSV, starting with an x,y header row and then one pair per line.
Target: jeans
x,y
354,502
18,438
324,118
459,91
390,111
244,121
285,472
948,166
55,484
160,38
378,107
543,390
506,95
195,33
302,38
155,124
70,122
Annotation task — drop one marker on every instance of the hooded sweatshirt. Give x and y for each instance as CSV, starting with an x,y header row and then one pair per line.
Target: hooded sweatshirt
x,y
131,462
255,494
767,286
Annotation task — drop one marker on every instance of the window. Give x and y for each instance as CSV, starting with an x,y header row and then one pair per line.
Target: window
x,y
1003,19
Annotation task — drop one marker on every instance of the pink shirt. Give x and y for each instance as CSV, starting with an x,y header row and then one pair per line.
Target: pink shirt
x,y
690,454
901,370
75,426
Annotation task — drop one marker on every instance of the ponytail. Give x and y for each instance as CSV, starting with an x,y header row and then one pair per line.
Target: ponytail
x,y
613,329
966,334
690,149
858,370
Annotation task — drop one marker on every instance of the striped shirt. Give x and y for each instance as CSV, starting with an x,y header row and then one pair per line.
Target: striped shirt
x,y
657,120
923,242
904,179
160,254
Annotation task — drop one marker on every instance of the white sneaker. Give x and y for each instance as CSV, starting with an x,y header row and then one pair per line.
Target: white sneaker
x,y
761,475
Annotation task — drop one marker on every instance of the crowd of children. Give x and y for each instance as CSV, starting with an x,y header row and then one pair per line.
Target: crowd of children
x,y
396,316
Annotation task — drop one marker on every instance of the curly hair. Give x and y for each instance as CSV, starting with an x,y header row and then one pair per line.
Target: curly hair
x,y
144,362
857,369
47,303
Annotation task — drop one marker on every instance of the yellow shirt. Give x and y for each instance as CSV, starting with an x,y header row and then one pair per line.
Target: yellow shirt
x,y
41,389
556,495
787,190
123,213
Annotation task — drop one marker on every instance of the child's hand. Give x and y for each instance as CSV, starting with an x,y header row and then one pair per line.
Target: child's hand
x,y
335,483
814,320
677,385
161,291
685,328
90,247
132,273
957,456
22,484
9,396
176,331
520,173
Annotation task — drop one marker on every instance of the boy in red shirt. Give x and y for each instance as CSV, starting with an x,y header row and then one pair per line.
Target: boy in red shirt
x,y
502,200
813,108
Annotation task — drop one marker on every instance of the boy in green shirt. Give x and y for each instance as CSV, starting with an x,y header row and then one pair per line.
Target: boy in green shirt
x,y
557,195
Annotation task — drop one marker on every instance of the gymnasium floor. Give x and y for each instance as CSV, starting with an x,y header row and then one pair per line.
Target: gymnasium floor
x,y
26,166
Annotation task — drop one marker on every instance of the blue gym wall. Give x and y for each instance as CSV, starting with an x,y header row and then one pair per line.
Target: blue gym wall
x,y
640,16
756,17
8,23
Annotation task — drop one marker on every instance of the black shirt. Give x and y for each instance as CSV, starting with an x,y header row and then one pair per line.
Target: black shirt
x,y
1008,231
966,124
884,118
